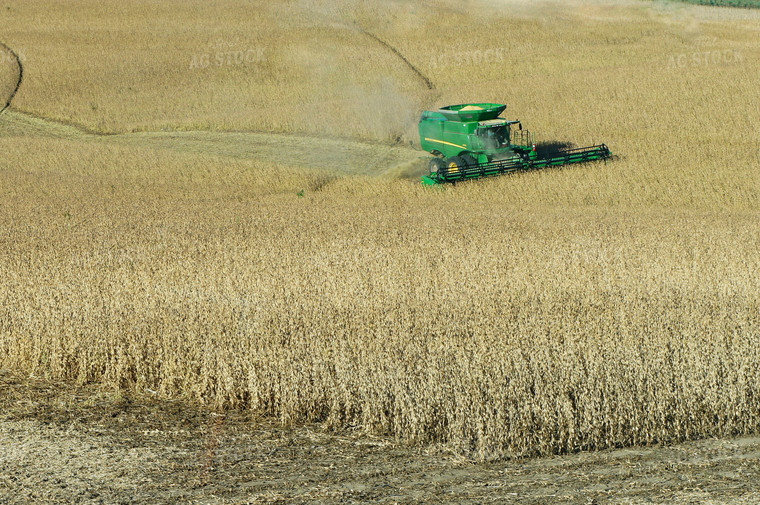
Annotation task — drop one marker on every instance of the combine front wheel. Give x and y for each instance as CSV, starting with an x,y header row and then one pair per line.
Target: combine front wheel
x,y
436,165
454,163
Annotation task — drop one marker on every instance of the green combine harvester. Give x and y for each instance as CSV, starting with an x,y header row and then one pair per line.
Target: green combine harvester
x,y
469,141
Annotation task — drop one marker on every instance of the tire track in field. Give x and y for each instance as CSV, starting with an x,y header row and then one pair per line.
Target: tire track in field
x,y
20,75
429,101
428,83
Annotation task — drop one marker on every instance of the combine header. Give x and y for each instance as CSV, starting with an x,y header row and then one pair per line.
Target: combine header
x,y
470,141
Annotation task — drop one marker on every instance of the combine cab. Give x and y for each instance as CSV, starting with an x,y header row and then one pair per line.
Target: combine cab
x,y
470,141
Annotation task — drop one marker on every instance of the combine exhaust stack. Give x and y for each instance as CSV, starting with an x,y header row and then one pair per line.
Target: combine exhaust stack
x,y
469,141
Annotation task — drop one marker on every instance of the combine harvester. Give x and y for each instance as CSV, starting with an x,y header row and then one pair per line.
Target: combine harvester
x,y
470,141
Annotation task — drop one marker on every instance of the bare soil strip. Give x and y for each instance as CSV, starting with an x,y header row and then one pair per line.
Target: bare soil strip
x,y
61,443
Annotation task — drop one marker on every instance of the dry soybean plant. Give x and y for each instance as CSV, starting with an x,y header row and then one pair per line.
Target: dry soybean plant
x,y
436,317
598,306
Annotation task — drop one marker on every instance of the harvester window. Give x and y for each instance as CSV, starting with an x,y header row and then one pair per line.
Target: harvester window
x,y
495,137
